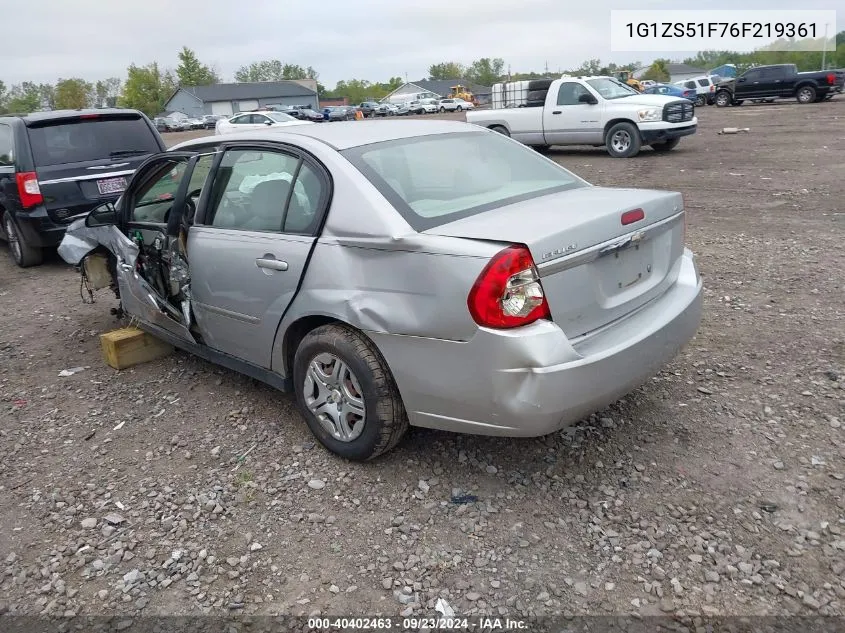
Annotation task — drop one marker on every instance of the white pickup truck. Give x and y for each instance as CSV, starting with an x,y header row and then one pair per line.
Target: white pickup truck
x,y
598,111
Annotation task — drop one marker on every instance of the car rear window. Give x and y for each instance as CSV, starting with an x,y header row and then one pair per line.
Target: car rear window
x,y
437,179
80,140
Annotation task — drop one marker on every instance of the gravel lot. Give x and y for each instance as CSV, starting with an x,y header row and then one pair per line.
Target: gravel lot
x,y
179,487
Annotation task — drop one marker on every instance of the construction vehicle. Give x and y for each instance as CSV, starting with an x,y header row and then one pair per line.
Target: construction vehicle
x,y
627,77
460,92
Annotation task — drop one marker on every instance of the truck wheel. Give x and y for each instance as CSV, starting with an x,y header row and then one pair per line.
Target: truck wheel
x,y
501,130
623,140
346,393
723,99
700,101
23,254
806,94
668,146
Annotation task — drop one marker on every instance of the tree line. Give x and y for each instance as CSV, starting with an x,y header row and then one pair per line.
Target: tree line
x,y
148,87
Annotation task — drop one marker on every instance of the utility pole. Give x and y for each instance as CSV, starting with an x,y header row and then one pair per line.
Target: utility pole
x,y
547,67
824,47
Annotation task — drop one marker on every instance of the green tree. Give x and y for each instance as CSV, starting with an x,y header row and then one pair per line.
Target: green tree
x,y
658,71
446,70
72,94
273,70
24,97
589,67
146,89
191,72
486,71
108,90
3,98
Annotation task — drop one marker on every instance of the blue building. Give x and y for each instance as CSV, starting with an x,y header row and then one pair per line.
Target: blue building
x,y
227,99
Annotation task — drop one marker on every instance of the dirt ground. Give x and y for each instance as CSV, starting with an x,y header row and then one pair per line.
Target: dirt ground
x,y
179,487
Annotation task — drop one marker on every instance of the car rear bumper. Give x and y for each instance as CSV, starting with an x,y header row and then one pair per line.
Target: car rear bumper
x,y
37,229
666,134
532,381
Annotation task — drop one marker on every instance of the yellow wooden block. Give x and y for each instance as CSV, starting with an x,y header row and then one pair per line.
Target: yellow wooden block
x,y
131,346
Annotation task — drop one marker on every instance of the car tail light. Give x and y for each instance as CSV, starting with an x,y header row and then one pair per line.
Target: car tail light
x,y
831,79
89,116
634,215
508,292
28,189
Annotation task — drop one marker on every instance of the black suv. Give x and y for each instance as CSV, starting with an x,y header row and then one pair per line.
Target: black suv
x,y
56,166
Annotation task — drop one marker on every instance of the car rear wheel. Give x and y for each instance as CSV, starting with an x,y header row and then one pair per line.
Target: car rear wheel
x,y
623,140
23,254
501,130
346,393
806,94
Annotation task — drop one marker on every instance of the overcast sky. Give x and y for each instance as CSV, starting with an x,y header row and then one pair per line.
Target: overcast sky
x,y
341,39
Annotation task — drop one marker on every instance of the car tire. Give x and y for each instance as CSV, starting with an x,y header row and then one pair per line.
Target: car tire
x,y
723,99
666,146
442,109
623,140
460,108
365,378
23,254
805,94
501,129
700,101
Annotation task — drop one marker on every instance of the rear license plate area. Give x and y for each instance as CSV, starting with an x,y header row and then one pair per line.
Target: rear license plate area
x,y
108,186
625,269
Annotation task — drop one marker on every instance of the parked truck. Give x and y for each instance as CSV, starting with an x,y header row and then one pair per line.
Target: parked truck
x,y
598,111
780,81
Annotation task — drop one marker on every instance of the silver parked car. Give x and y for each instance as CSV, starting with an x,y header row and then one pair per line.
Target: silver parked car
x,y
358,266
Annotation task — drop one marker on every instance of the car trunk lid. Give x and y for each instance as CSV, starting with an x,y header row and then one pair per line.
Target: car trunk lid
x,y
594,269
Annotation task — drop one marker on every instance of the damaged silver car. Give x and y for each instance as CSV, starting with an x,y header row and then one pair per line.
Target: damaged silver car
x,y
359,266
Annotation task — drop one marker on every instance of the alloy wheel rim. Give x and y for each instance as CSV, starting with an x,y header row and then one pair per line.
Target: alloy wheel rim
x,y
334,395
804,95
621,141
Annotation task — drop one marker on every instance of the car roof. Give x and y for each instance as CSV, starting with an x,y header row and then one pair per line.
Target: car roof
x,y
348,134
51,115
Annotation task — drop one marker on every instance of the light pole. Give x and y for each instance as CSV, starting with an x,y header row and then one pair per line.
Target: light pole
x,y
824,47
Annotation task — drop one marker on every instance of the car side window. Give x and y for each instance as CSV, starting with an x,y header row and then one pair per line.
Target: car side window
x,y
154,200
251,190
257,119
690,84
7,152
752,75
570,92
240,120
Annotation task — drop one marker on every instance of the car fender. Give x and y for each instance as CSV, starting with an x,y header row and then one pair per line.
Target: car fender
x,y
80,240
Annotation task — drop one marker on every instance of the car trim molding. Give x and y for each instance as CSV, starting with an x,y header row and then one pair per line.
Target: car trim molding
x,y
594,252
111,174
228,313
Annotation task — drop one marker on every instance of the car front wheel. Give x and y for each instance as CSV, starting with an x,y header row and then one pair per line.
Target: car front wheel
x,y
346,393
723,99
623,140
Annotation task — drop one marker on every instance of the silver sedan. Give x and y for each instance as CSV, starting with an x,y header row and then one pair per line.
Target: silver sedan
x,y
355,265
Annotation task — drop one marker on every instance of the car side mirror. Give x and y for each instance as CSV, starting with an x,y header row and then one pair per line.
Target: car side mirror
x,y
740,79
588,98
268,123
103,215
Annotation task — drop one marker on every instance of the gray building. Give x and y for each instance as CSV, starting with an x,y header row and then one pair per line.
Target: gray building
x,y
677,72
436,89
228,99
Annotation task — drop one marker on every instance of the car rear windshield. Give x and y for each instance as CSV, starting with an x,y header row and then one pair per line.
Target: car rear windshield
x,y
81,140
437,179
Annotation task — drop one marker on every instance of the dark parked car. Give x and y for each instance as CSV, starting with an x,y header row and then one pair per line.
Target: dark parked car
x,y
781,81
371,109
305,114
56,166
211,120
337,113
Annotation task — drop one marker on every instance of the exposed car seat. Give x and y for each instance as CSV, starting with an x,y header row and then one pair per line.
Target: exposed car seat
x,y
265,206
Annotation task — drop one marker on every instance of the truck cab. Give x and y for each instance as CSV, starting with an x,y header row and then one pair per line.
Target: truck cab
x,y
598,111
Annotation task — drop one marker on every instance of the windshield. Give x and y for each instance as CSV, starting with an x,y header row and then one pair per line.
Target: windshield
x,y
76,141
611,88
421,179
278,117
